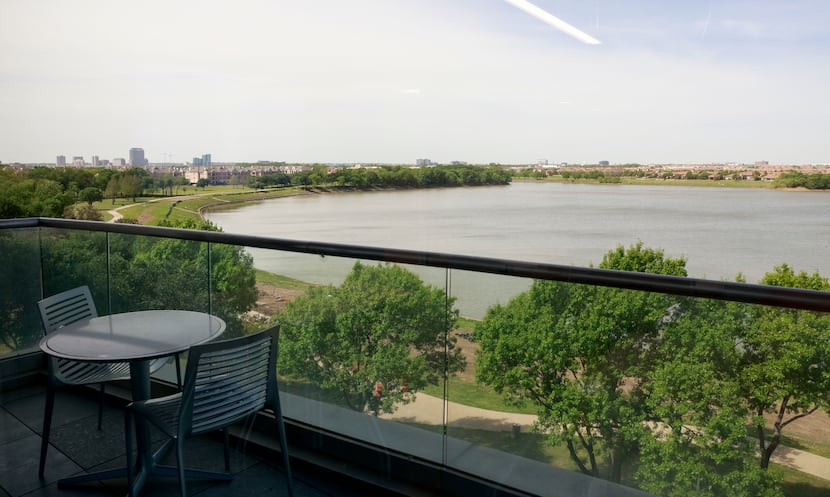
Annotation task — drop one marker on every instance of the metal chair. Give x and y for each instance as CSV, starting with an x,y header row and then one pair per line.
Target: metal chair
x,y
64,309
225,382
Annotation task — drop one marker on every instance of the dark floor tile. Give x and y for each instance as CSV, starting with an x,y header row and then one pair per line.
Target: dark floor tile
x,y
206,452
258,480
76,446
69,407
91,490
22,392
11,428
19,462
84,443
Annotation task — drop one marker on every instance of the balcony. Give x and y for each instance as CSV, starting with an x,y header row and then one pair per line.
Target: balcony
x,y
429,447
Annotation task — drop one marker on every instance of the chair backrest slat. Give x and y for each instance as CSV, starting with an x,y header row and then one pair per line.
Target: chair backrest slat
x,y
229,380
66,308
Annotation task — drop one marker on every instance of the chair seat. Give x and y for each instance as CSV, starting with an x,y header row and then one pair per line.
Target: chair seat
x,y
71,372
162,412
225,382
84,373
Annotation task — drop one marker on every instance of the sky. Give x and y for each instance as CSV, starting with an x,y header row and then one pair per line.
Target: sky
x,y
392,81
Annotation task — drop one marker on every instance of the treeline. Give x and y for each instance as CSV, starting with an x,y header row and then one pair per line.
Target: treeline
x,y
593,175
57,191
796,179
614,174
389,177
62,191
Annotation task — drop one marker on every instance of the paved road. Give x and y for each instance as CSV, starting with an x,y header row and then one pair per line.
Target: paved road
x,y
430,410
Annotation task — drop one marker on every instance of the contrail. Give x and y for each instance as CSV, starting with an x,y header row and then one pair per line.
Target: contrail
x,y
554,21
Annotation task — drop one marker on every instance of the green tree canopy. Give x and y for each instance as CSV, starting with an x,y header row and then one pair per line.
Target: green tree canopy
x,y
373,341
581,354
784,365
697,444
90,195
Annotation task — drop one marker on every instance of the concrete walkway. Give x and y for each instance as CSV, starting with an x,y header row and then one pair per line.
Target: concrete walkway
x,y
430,410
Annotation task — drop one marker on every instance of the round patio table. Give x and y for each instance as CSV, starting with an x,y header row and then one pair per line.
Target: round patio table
x,y
137,338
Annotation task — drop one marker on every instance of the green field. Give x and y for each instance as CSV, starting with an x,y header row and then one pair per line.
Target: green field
x,y
151,210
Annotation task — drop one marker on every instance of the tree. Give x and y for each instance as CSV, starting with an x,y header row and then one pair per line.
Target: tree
x,y
372,342
158,273
85,212
581,354
202,183
180,181
784,366
90,194
18,302
166,184
696,444
113,188
131,185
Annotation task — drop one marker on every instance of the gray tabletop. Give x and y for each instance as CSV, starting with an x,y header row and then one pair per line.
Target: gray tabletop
x,y
131,336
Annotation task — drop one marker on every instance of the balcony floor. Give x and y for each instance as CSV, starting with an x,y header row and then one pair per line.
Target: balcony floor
x,y
76,447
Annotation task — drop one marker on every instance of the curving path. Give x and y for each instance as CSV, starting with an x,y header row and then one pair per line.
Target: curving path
x,y
427,409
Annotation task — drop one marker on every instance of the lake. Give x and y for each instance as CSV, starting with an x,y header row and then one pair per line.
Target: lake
x,y
720,231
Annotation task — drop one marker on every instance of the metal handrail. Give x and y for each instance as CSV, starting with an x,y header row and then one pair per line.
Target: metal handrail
x,y
795,298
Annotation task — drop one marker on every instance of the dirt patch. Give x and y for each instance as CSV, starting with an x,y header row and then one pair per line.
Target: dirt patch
x,y
815,427
468,350
272,299
145,218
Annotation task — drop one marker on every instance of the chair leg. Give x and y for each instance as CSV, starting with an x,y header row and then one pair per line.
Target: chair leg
x,y
227,448
47,426
289,481
101,396
129,445
180,463
178,360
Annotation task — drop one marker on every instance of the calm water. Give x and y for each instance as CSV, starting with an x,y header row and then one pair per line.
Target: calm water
x,y
720,231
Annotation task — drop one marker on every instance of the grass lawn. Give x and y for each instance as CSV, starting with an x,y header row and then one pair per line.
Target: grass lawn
x,y
797,484
476,395
186,202
281,281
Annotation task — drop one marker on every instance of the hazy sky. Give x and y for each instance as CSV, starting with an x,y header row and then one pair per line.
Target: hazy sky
x,y
396,80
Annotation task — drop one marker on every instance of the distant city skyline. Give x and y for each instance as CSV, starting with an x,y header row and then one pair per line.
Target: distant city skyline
x,y
389,82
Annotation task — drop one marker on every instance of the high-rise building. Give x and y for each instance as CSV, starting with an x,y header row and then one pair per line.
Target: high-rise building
x,y
205,159
137,157
61,160
78,161
95,161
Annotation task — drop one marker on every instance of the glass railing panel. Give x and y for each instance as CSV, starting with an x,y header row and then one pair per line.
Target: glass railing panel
x,y
148,272
73,258
233,290
477,415
20,290
662,393
651,390
361,346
